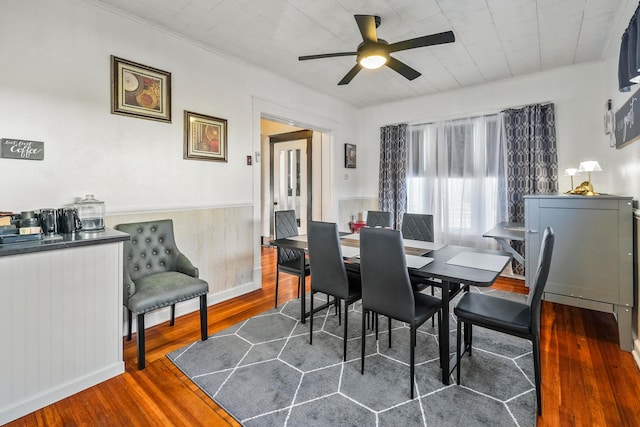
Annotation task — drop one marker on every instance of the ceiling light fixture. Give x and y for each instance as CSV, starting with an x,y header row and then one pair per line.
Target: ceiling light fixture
x,y
373,61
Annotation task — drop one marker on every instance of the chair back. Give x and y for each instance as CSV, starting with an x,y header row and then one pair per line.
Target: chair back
x,y
286,225
534,300
379,219
151,249
417,227
386,288
328,273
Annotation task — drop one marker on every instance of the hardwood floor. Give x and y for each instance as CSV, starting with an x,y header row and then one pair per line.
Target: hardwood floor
x,y
587,379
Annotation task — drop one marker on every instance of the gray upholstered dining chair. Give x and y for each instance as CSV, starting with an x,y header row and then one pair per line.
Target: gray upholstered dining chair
x,y
506,316
286,225
386,288
328,273
157,275
379,219
417,227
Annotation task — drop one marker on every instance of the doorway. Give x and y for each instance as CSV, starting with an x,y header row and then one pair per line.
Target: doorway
x,y
291,160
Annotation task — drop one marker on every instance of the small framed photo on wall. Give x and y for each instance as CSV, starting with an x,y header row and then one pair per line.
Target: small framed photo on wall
x,y
205,137
140,91
350,156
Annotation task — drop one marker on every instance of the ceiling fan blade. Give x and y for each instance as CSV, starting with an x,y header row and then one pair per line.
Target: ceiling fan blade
x,y
326,55
350,75
433,39
367,26
402,68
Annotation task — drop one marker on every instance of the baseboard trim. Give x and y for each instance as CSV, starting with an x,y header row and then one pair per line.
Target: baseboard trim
x,y
636,351
38,401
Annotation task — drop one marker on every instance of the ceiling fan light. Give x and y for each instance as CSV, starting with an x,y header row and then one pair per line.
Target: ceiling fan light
x,y
373,61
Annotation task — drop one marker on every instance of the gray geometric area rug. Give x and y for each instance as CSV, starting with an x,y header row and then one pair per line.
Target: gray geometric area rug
x,y
263,372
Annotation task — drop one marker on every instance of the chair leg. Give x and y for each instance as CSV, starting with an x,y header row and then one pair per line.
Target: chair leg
x,y
364,315
344,337
173,315
204,322
277,280
311,319
140,340
536,370
412,358
300,283
130,320
432,294
389,318
458,352
339,310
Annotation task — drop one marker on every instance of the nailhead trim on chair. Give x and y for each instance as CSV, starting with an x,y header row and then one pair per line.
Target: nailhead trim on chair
x,y
170,303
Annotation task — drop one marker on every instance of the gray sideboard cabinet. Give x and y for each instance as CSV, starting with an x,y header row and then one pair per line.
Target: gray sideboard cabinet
x,y
592,265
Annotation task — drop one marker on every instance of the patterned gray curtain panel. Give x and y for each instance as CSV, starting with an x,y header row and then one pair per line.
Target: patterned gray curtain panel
x,y
532,158
392,189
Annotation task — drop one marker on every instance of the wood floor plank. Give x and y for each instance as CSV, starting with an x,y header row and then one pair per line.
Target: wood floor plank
x,y
586,379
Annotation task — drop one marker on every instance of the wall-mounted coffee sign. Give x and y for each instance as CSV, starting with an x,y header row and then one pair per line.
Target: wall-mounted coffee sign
x,y
21,149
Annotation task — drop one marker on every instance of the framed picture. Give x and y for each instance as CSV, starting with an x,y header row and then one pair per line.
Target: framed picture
x,y
205,137
140,91
350,156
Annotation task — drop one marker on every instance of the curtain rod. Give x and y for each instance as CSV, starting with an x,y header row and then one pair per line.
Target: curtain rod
x,y
475,115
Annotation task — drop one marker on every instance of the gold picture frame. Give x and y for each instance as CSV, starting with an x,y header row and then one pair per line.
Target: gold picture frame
x,y
205,137
140,91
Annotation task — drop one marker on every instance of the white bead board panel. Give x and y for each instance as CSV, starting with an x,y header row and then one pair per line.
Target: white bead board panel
x,y
60,313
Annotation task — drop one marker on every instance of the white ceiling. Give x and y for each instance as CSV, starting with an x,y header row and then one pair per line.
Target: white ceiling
x,y
495,39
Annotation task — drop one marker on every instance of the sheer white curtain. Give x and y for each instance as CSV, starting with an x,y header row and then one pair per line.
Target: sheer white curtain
x,y
456,171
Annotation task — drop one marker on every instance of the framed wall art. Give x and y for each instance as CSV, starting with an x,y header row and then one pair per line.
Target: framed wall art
x,y
205,137
350,156
140,91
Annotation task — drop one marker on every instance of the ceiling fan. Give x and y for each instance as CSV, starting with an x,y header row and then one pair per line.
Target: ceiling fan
x,y
374,52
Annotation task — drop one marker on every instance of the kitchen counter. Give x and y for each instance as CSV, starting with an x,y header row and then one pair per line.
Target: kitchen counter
x,y
61,307
64,241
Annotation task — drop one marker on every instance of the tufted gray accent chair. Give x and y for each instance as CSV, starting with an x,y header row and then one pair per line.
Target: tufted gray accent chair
x,y
156,275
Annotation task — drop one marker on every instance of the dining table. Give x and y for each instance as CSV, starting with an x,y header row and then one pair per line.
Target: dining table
x,y
452,268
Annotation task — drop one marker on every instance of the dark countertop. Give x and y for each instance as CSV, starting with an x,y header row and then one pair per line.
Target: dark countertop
x,y
83,238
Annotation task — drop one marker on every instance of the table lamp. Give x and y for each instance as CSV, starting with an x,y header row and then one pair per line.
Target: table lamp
x,y
589,166
571,172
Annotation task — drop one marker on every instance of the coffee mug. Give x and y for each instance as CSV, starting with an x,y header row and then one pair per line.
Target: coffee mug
x,y
49,221
69,220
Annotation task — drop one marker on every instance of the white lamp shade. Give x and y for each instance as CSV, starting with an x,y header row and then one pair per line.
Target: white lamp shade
x,y
571,171
589,166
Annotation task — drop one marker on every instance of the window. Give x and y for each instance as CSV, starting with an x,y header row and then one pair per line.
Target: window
x,y
456,171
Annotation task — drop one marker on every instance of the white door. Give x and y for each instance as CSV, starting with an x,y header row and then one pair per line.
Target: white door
x,y
290,179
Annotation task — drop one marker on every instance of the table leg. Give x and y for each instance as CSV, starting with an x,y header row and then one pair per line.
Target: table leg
x,y
444,335
507,248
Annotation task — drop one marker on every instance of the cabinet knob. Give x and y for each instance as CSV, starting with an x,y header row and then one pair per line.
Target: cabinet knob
x,y
532,231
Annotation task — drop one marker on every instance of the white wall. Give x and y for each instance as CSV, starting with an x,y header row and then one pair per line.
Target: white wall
x,y
55,87
576,91
624,176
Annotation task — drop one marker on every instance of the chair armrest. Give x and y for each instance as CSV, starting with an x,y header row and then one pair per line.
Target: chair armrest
x,y
129,287
183,265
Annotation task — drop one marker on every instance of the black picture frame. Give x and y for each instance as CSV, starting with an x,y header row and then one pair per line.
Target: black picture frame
x,y
350,156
